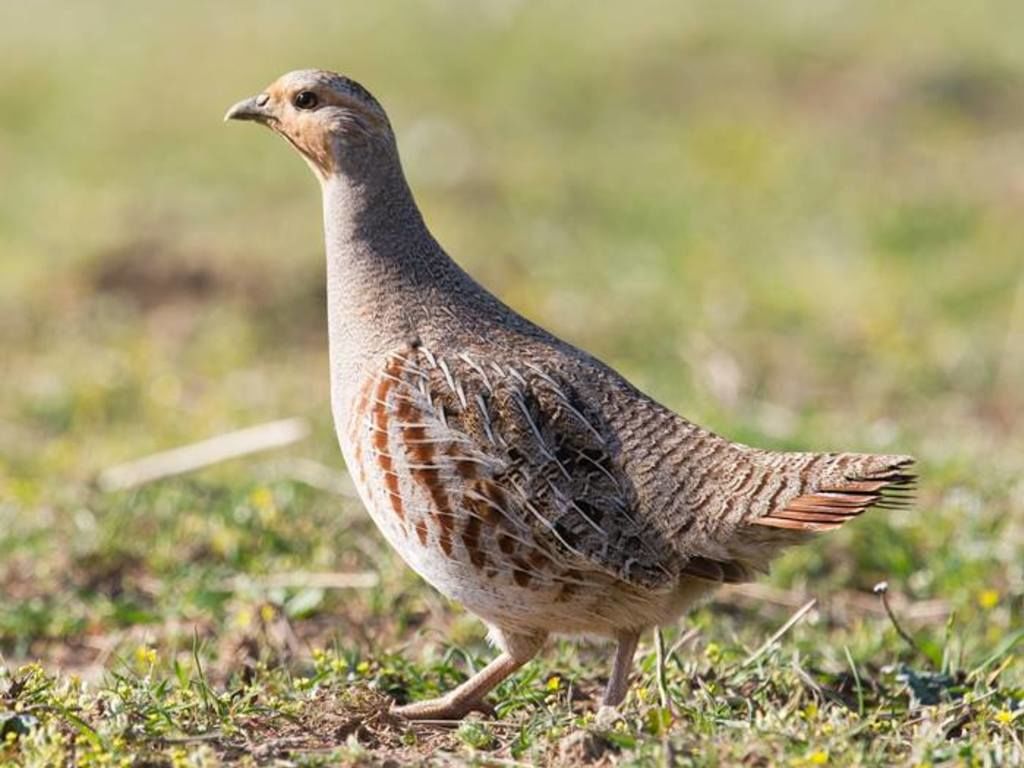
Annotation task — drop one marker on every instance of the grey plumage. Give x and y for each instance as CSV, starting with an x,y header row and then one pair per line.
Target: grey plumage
x,y
513,471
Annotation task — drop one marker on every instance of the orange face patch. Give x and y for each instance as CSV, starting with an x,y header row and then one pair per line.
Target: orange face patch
x,y
341,115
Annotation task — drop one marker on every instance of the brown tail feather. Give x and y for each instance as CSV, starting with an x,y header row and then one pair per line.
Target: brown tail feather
x,y
811,493
884,482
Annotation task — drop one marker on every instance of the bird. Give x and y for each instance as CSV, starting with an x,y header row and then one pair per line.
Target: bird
x,y
517,474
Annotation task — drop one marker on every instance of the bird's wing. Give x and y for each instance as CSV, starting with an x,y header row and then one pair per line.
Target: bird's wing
x,y
728,509
521,469
559,467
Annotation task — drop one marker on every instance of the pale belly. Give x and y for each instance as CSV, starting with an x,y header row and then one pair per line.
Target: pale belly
x,y
407,516
593,604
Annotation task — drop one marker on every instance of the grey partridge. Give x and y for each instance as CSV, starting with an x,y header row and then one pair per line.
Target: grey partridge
x,y
515,473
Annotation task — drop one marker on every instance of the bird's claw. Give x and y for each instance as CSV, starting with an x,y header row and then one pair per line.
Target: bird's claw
x,y
443,709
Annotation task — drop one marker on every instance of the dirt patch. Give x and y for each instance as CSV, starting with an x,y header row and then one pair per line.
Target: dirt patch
x,y
357,720
158,279
150,274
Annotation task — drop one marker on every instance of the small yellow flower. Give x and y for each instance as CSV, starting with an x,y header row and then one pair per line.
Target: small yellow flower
x,y
1005,716
261,498
818,757
988,599
262,501
145,656
221,540
554,683
242,618
267,613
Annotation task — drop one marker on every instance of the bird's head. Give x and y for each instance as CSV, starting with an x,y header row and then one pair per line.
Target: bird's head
x,y
331,120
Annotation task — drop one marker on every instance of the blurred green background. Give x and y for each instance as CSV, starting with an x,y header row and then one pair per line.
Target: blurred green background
x,y
798,223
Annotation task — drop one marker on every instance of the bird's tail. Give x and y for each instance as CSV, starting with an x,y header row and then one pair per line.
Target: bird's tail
x,y
795,495
827,489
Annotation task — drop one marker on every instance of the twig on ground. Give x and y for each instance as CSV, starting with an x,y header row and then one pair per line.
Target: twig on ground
x,y
767,644
845,601
312,473
189,458
303,580
685,639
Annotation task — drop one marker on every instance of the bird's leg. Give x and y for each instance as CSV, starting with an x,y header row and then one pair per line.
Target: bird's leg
x,y
618,683
469,696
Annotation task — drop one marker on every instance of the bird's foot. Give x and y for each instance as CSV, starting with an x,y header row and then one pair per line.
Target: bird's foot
x,y
443,708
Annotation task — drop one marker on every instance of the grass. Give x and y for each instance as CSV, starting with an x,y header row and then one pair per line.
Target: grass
x,y
799,225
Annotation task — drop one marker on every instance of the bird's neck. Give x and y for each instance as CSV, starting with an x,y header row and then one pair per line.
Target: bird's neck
x,y
386,275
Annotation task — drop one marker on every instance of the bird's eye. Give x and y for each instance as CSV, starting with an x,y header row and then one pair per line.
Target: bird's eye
x,y
305,100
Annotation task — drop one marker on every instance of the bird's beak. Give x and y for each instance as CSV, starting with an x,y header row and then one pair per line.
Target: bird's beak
x,y
254,108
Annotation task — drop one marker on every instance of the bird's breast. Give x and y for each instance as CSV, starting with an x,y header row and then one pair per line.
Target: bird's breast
x,y
439,499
